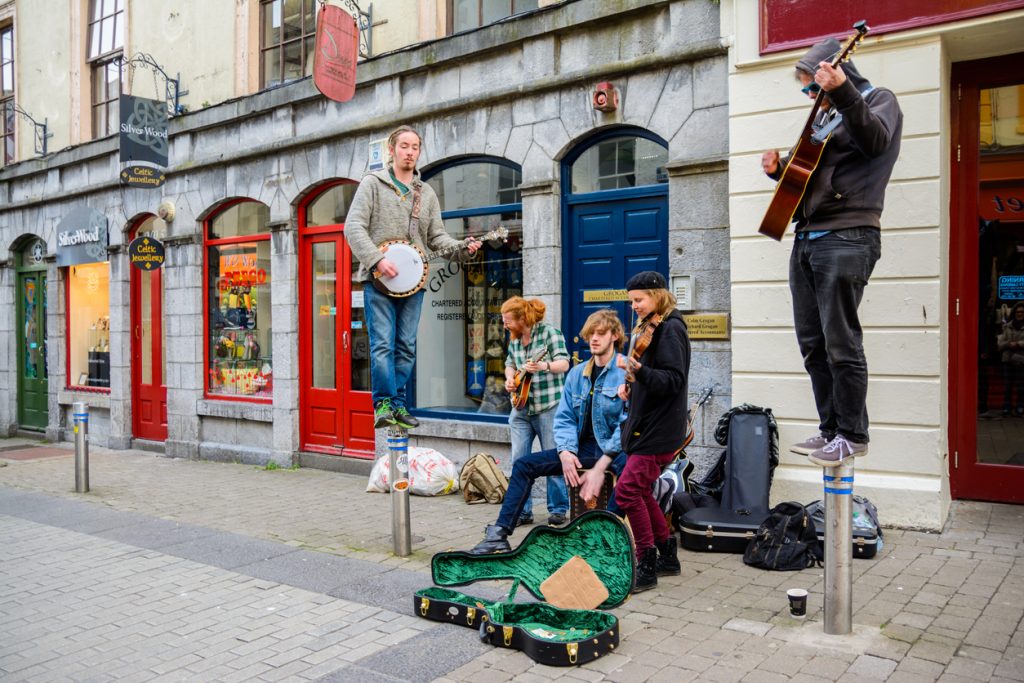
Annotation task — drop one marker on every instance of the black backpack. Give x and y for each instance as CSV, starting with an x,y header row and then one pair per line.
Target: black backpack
x,y
786,541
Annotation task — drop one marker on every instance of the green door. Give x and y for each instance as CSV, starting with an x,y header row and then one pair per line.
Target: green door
x,y
31,333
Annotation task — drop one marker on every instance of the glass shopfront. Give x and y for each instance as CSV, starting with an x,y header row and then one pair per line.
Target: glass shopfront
x,y
460,361
89,325
238,310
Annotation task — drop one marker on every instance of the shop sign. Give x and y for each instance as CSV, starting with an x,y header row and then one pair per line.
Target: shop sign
x,y
143,130
603,295
1011,287
142,176
82,237
146,253
335,53
707,325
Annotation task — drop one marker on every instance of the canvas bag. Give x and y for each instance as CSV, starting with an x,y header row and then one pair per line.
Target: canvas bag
x,y
482,481
786,541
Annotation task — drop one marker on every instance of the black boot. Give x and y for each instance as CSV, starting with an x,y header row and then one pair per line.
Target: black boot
x,y
646,577
668,562
495,541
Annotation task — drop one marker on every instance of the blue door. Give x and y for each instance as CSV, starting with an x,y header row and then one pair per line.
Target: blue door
x,y
611,234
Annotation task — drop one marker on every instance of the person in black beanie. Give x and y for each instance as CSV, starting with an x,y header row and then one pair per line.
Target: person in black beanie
x,y
838,241
655,428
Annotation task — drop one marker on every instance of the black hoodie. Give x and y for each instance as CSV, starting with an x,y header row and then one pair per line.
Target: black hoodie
x,y
848,188
656,423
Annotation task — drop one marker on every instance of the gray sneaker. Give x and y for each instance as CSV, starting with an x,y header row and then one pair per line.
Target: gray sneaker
x,y
809,446
835,450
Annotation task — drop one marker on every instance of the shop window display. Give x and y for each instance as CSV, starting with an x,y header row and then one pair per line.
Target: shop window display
x,y
461,347
89,325
240,360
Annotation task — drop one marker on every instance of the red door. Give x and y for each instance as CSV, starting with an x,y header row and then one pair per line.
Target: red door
x,y
334,351
986,401
149,388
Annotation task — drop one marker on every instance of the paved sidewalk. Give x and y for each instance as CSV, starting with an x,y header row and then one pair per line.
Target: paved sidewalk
x,y
167,568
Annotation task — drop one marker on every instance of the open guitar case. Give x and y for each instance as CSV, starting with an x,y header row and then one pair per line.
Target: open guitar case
x,y
748,469
545,633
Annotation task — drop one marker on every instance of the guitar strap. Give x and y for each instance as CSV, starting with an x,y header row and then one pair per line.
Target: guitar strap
x,y
414,217
822,133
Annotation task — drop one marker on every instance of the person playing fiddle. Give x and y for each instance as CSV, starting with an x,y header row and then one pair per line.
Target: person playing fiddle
x,y
655,428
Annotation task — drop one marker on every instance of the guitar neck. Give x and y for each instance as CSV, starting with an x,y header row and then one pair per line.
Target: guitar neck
x,y
445,251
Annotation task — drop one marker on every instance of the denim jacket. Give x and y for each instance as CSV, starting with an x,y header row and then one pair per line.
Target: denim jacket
x,y
606,416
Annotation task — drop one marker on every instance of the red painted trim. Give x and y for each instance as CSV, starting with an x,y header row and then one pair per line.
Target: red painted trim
x,y
789,24
969,478
207,243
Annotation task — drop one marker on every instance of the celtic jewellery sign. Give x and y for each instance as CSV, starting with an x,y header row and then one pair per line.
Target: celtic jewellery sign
x,y
146,253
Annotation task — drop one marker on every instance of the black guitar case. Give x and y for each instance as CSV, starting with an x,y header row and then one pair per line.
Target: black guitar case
x,y
747,480
545,633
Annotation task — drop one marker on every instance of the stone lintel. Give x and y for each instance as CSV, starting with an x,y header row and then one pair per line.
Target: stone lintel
x,y
685,167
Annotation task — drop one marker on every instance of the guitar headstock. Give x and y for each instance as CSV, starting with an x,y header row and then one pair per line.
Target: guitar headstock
x,y
861,28
500,233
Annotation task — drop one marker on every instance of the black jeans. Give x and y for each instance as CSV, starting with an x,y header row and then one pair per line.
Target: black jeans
x,y
827,277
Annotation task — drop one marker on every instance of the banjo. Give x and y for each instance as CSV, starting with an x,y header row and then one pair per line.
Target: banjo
x,y
413,265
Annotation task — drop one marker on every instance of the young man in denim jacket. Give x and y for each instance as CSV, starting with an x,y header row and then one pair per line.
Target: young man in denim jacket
x,y
586,426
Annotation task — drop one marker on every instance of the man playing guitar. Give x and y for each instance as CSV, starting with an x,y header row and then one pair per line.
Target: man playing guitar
x,y
838,241
531,337
394,204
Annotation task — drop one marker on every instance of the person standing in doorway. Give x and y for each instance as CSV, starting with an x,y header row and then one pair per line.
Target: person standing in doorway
x,y
394,204
539,349
838,242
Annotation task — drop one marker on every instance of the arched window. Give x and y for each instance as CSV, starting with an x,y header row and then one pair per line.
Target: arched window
x,y
619,162
460,364
238,309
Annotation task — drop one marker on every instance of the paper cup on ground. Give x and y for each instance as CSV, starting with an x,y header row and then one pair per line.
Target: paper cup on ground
x,y
797,602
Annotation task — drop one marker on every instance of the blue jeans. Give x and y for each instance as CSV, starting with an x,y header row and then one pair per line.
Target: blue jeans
x,y
391,323
827,277
527,469
523,429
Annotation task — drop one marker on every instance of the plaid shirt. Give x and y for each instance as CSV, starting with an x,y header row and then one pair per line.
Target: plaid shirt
x,y
546,387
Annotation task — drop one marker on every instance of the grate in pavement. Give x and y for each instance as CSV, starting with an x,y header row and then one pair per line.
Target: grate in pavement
x,y
35,453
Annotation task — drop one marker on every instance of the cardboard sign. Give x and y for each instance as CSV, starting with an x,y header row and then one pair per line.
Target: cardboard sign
x,y
335,53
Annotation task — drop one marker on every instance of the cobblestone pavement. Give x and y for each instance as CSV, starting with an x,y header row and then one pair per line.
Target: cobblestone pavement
x,y
182,570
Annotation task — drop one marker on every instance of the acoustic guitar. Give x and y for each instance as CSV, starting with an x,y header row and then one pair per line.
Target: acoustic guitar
x,y
804,159
414,266
523,380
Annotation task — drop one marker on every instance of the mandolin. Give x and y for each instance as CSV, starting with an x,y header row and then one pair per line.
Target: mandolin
x,y
804,159
523,380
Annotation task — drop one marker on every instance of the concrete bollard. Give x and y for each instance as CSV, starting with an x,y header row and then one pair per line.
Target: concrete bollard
x,y
839,549
398,452
80,419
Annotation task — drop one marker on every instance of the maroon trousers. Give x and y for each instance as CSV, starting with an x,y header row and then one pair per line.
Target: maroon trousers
x,y
634,494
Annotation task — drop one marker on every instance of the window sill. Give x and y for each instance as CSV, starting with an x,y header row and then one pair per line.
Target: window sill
x,y
466,430
95,398
257,412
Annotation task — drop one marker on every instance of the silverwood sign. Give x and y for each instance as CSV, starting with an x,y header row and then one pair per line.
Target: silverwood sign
x,y
146,253
82,237
143,130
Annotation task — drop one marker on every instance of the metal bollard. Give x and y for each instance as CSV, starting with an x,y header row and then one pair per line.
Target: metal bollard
x,y
838,549
398,452
80,419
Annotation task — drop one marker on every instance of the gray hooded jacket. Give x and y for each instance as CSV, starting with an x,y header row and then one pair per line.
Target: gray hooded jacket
x,y
380,213
848,188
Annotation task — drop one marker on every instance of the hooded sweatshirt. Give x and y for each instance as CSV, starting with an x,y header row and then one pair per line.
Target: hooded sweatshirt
x,y
380,212
848,188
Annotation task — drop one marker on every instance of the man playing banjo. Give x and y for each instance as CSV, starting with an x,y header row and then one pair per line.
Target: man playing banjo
x,y
394,204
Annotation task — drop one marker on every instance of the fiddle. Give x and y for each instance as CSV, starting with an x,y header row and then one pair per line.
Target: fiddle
x,y
639,339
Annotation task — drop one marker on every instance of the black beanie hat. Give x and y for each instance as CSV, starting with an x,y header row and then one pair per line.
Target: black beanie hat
x,y
648,279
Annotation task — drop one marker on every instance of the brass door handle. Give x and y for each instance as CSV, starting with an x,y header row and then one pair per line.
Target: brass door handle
x,y
344,340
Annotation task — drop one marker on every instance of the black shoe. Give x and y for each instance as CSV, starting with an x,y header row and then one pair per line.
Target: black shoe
x,y
495,541
525,520
668,561
384,415
556,519
404,419
646,574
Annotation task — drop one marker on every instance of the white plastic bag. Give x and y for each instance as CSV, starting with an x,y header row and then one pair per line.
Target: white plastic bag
x,y
430,473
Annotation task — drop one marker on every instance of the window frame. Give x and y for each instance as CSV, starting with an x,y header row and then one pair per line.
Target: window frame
x,y
68,384
479,15
280,45
8,135
491,209
99,61
207,243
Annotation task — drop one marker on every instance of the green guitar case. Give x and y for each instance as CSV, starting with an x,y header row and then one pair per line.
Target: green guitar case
x,y
545,633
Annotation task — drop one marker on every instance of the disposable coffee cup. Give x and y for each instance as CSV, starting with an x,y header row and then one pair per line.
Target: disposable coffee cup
x,y
797,602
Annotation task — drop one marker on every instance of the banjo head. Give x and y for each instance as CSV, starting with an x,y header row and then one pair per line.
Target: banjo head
x,y
412,269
